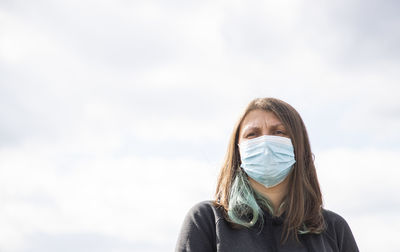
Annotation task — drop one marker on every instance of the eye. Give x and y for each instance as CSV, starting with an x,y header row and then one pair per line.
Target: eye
x,y
250,135
280,132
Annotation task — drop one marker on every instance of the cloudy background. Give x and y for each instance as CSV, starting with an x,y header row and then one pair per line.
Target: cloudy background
x,y
115,115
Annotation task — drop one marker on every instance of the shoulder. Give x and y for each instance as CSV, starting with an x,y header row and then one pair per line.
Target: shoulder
x,y
198,229
333,220
338,231
332,216
202,207
203,211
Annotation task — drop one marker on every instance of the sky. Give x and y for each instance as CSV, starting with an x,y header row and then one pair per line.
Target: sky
x,y
115,115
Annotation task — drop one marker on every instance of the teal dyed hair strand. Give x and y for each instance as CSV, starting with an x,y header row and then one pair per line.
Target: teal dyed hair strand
x,y
243,206
246,205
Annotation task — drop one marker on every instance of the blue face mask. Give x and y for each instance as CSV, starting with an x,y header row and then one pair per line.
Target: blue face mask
x,y
267,159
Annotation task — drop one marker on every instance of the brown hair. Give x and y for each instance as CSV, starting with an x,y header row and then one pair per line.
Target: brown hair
x,y
303,202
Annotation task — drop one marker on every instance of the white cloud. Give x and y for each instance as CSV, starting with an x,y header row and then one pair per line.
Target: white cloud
x,y
361,186
101,99
132,198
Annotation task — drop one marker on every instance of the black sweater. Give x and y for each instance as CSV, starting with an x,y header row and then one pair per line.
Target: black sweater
x,y
206,229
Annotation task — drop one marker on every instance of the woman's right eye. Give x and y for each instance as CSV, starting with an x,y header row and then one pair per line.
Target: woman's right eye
x,y
251,134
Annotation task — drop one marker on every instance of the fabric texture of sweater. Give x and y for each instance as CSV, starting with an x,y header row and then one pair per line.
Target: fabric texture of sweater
x,y
205,229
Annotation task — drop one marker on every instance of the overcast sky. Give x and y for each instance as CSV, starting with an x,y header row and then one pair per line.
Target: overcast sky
x,y
115,115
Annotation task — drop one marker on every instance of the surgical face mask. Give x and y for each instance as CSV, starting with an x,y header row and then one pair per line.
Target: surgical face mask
x,y
267,159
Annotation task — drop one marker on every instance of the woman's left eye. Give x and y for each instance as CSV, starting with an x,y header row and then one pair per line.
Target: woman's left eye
x,y
279,132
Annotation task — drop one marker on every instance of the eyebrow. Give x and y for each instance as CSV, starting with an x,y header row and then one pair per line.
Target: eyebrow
x,y
277,125
257,127
251,128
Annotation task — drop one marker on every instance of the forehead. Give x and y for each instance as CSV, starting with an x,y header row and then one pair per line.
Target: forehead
x,y
260,117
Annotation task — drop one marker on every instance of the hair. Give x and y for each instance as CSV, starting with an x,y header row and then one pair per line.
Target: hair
x,y
303,201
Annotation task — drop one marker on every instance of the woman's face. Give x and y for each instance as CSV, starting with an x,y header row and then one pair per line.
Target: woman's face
x,y
260,122
257,123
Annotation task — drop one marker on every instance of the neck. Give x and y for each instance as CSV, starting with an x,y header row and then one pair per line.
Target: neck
x,y
274,194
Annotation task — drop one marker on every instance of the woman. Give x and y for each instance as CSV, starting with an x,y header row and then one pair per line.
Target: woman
x,y
268,197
